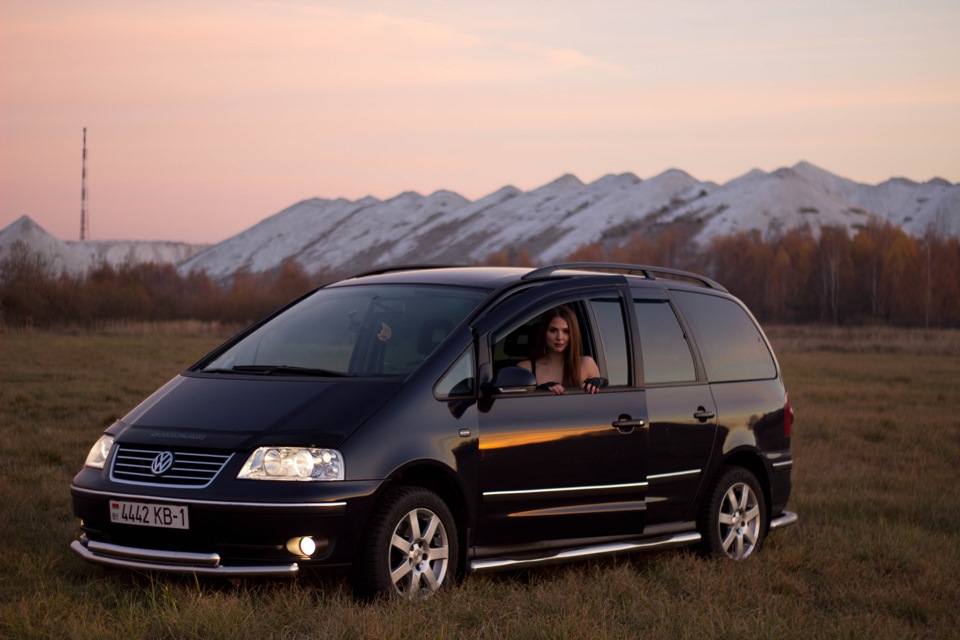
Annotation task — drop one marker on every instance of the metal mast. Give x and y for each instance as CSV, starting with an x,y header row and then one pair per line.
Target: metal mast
x,y
84,223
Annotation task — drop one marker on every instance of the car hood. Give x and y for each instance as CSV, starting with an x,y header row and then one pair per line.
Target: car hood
x,y
243,412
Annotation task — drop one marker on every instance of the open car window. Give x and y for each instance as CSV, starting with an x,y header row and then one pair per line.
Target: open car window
x,y
514,342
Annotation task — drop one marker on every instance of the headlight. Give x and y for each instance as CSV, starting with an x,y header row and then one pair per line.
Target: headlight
x,y
98,454
289,463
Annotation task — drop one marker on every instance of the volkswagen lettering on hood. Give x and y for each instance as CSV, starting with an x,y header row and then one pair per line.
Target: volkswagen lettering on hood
x,y
414,424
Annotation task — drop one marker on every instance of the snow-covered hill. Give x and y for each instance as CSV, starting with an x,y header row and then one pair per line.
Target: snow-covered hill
x,y
548,223
807,196
76,258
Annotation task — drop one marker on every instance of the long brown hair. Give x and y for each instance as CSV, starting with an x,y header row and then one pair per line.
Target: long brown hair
x,y
571,358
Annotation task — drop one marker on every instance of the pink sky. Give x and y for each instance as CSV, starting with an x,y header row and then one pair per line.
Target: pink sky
x,y
205,117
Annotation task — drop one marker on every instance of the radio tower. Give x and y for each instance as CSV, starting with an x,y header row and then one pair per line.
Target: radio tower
x,y
84,223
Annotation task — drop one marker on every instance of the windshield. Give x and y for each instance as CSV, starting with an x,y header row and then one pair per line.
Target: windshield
x,y
360,330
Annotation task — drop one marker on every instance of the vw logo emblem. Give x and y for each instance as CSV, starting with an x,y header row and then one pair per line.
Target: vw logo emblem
x,y
162,463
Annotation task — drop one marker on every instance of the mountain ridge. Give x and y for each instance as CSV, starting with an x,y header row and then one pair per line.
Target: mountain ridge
x,y
548,222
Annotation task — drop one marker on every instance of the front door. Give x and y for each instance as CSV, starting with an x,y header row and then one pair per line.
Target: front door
x,y
571,466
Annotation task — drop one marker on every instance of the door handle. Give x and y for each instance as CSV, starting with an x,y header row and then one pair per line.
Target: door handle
x,y
703,415
626,424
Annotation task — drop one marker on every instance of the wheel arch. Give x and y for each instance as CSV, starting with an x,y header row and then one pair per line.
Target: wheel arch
x,y
441,480
750,460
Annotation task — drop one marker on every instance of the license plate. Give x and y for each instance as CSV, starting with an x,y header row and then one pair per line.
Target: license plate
x,y
169,516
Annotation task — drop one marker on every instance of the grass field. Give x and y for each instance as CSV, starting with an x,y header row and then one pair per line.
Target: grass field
x,y
876,553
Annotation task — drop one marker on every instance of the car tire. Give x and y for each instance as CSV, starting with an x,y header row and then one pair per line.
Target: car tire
x,y
733,521
410,548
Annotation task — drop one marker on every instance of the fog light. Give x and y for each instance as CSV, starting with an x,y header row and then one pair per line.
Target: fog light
x,y
304,546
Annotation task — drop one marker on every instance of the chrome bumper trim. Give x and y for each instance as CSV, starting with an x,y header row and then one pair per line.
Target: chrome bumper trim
x,y
676,540
214,503
202,564
785,519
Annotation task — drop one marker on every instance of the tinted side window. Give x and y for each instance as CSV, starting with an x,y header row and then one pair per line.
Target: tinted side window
x,y
729,341
666,354
458,381
609,315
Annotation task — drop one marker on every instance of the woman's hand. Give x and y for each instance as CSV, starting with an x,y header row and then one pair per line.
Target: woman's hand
x,y
554,387
592,385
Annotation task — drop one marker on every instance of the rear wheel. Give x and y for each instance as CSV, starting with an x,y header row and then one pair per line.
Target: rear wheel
x,y
734,518
410,549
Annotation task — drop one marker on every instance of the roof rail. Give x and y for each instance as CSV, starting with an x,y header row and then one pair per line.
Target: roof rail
x,y
647,271
405,267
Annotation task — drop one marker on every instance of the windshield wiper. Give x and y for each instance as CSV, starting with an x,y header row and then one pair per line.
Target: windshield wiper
x,y
282,369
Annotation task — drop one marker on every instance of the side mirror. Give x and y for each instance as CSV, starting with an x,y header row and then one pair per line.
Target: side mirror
x,y
512,380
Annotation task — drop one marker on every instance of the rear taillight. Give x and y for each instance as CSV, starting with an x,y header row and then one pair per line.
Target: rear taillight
x,y
787,416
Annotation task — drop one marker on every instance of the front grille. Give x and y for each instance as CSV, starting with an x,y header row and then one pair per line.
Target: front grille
x,y
190,467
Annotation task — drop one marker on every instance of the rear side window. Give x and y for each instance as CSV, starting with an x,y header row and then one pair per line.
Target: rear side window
x,y
729,341
666,354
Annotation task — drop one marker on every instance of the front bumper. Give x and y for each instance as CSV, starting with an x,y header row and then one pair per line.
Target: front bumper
x,y
229,537
202,564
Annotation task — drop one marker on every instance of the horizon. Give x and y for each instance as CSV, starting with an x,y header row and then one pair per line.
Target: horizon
x,y
204,118
390,197
819,180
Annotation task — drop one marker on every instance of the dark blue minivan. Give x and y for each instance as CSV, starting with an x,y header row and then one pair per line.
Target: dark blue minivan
x,y
412,425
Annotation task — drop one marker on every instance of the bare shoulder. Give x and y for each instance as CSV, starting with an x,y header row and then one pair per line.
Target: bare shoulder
x,y
588,368
526,365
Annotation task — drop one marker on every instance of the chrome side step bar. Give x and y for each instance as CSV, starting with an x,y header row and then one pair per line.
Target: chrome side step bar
x,y
664,542
785,519
201,564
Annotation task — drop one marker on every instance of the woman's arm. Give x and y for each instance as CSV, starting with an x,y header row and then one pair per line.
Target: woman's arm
x,y
555,387
590,374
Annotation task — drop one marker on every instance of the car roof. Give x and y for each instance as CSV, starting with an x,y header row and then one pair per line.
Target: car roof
x,y
477,277
496,277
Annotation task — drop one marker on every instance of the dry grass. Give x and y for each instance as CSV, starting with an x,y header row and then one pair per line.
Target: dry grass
x,y
132,328
878,339
874,556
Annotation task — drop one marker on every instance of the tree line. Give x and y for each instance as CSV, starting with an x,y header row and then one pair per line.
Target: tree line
x,y
881,275
30,296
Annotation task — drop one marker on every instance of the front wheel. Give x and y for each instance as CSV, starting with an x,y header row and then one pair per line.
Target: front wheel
x,y
410,548
733,521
